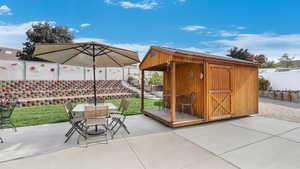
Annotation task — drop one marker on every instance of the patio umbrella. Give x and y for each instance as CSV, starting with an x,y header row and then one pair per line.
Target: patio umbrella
x,y
87,54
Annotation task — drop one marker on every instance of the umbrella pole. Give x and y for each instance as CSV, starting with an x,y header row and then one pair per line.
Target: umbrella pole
x,y
94,70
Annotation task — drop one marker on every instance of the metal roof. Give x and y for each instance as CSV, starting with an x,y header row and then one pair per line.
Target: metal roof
x,y
205,55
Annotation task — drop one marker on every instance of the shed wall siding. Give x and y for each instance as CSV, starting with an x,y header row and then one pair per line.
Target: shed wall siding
x,y
187,81
159,59
245,93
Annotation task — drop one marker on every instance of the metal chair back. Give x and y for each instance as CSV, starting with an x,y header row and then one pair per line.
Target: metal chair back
x,y
7,107
74,121
126,105
68,109
121,105
193,97
96,112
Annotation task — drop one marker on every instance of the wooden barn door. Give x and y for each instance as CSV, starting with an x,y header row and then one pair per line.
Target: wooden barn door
x,y
219,85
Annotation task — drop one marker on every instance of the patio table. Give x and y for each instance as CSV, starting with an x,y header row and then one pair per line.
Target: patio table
x,y
80,108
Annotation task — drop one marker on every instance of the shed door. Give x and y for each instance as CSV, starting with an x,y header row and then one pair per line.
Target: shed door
x,y
219,91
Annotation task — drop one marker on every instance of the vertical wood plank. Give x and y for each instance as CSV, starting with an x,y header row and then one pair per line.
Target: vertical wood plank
x,y
142,90
173,92
205,91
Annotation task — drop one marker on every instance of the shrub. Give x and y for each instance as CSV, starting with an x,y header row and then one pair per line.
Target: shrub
x,y
130,78
156,79
264,84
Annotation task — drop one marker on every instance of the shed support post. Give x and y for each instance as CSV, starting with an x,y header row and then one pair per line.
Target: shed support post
x,y
142,90
173,92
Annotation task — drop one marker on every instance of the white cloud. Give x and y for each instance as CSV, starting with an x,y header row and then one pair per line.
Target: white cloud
x,y
90,40
108,1
73,30
195,49
182,1
140,48
224,33
14,35
191,28
5,10
241,27
272,45
85,25
144,5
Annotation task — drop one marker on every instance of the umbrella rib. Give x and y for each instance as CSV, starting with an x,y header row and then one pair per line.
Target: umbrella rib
x,y
113,60
85,51
104,53
75,55
60,50
124,55
103,49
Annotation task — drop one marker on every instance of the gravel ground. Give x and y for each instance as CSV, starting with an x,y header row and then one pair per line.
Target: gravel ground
x,y
279,109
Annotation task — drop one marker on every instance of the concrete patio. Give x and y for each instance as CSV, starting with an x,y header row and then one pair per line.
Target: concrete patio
x,y
250,142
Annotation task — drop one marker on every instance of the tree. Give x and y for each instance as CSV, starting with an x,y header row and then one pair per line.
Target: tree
x,y
286,61
269,64
43,32
260,58
156,79
264,84
239,53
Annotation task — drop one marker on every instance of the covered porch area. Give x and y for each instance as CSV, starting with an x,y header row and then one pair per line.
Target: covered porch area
x,y
182,101
165,116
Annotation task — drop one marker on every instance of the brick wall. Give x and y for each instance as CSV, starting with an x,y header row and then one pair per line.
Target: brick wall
x,y
42,92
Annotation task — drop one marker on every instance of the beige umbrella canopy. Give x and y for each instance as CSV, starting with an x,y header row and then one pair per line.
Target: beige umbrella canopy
x,y
87,54
82,54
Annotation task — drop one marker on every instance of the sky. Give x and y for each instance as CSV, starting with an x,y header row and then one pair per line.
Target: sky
x,y
268,27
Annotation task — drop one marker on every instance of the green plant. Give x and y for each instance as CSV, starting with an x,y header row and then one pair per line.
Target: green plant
x,y
286,61
269,64
156,79
130,78
264,84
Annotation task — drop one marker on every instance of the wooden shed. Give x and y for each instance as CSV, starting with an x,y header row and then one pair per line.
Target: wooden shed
x,y
200,87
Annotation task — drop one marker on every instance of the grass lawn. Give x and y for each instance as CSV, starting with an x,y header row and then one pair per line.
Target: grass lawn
x,y
36,115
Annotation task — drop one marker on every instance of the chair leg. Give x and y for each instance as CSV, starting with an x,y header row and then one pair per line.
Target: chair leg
x,y
1,140
125,127
121,124
86,133
112,122
69,136
70,130
115,132
13,126
106,135
117,122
